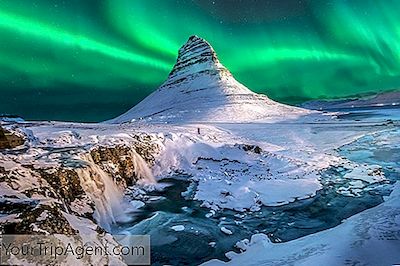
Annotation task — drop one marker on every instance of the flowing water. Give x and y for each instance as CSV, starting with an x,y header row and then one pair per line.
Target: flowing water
x,y
181,234
106,195
110,204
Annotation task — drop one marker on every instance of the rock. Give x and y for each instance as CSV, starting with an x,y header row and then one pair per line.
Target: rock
x,y
257,150
118,160
247,147
115,161
10,140
225,193
41,220
9,205
64,181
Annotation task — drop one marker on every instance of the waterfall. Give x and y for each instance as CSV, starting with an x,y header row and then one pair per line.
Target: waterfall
x,y
110,204
106,195
142,170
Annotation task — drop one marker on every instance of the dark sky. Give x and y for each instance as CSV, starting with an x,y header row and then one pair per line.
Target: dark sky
x,y
92,60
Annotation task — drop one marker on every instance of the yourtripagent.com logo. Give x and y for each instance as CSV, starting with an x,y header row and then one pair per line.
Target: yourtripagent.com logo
x,y
74,250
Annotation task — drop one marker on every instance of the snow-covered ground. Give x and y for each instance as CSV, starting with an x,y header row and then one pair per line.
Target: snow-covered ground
x,y
236,166
371,237
233,170
241,151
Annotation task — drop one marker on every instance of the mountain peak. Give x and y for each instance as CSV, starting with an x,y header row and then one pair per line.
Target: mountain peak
x,y
197,47
200,88
196,57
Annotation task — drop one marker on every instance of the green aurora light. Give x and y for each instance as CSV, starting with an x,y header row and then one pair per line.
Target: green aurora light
x,y
91,60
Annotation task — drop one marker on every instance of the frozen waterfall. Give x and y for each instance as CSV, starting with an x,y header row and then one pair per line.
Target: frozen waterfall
x,y
110,204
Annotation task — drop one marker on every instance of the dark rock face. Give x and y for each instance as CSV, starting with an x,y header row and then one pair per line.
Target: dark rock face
x,y
62,186
196,50
65,183
247,147
46,218
115,160
195,58
118,160
9,140
14,205
146,146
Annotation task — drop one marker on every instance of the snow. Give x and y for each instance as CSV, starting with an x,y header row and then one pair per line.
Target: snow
x,y
212,244
15,119
43,216
367,173
88,235
242,150
178,228
379,100
200,88
226,230
210,214
137,204
367,238
287,169
9,218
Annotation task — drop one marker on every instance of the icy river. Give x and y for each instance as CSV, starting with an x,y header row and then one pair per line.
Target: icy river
x,y
182,232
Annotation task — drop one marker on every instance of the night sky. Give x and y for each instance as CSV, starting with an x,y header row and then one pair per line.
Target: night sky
x,y
92,60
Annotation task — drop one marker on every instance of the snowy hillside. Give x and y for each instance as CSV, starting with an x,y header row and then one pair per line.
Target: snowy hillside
x,y
386,99
200,88
188,167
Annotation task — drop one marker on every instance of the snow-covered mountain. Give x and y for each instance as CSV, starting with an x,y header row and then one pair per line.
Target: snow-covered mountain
x,y
217,182
385,99
200,88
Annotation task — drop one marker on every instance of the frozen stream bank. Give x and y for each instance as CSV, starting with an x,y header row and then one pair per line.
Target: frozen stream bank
x,y
194,234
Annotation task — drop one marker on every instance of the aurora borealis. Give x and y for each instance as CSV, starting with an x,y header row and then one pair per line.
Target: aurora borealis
x,y
92,60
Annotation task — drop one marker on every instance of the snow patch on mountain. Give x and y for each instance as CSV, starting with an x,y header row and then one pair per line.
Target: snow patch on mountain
x,y
200,88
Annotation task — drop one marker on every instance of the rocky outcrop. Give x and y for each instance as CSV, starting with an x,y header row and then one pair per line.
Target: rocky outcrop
x,y
195,58
147,146
120,161
200,88
64,181
33,200
38,191
42,219
248,147
10,140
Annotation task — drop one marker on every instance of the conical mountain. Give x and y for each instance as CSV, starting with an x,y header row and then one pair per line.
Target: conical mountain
x,y
200,89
